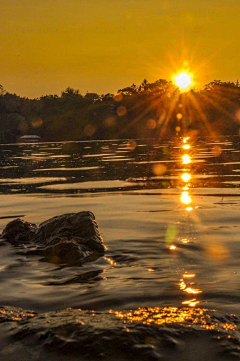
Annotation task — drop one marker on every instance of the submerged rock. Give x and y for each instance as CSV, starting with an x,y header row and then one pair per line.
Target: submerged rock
x,y
152,334
71,238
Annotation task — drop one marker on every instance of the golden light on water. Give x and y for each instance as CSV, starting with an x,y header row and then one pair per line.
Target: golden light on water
x,y
186,159
183,80
182,285
189,275
192,290
159,169
186,146
185,198
158,316
110,261
150,270
186,177
216,251
189,289
172,247
170,315
191,303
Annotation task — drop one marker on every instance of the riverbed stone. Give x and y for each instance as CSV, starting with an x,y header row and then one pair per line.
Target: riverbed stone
x,y
71,238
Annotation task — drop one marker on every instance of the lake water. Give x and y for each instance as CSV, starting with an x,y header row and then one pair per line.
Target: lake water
x,y
168,212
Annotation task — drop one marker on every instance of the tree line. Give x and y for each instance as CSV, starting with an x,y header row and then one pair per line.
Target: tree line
x,y
148,110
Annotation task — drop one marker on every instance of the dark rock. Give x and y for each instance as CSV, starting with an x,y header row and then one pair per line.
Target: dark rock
x,y
18,231
70,239
131,335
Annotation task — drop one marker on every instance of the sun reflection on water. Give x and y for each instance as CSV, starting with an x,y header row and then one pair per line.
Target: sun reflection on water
x,y
186,283
191,303
158,316
186,159
192,290
171,315
189,275
188,288
186,177
185,197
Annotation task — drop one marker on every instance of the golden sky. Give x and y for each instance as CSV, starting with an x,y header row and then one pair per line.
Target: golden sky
x,y
104,45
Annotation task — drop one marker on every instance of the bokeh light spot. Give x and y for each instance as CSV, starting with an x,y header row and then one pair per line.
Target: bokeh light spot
x,y
216,150
37,122
110,122
121,111
118,97
159,169
131,144
171,233
151,124
89,130
217,252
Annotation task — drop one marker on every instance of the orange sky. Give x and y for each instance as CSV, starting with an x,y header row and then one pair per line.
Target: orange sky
x,y
103,45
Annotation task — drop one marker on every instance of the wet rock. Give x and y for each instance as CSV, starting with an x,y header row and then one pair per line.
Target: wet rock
x,y
18,231
131,335
70,239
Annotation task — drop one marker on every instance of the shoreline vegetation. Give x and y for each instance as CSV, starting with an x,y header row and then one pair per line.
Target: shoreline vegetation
x,y
148,110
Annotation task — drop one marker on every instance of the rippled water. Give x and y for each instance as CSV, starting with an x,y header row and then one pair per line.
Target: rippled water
x,y
168,212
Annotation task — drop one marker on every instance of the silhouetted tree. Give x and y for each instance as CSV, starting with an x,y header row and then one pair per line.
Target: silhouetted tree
x,y
138,111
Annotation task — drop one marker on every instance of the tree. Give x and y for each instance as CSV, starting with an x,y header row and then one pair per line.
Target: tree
x,y
2,90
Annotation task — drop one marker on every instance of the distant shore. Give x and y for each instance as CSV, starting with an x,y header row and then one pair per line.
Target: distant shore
x,y
148,110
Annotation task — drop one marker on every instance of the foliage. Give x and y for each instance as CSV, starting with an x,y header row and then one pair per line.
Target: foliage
x,y
137,111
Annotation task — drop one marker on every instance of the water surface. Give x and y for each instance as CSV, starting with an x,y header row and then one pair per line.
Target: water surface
x,y
168,212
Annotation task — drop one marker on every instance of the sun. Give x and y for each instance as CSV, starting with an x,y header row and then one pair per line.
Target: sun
x,y
183,80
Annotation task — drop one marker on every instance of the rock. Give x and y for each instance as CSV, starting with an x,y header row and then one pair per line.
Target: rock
x,y
70,239
19,232
143,334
